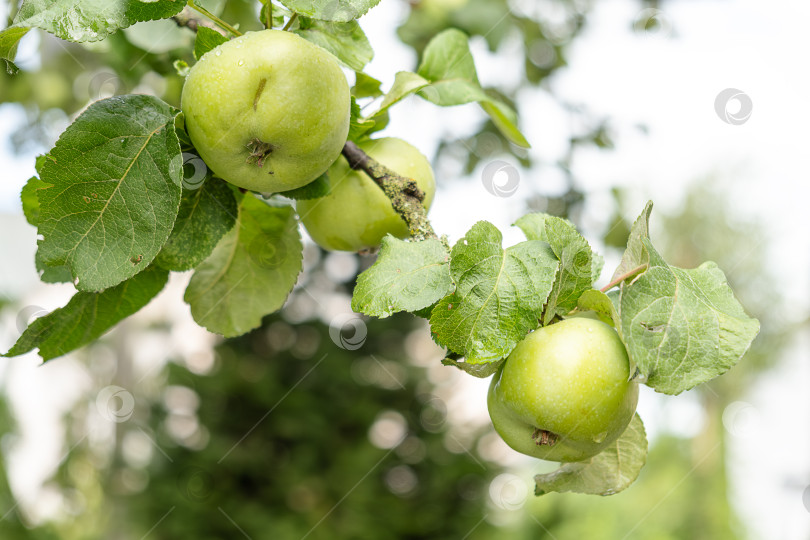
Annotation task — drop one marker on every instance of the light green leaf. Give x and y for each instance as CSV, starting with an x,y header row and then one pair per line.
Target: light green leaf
x,y
345,40
320,187
9,39
331,10
91,20
359,128
251,271
573,252
499,294
206,215
635,255
405,84
366,86
407,276
115,176
88,316
448,65
30,200
481,371
207,40
51,274
607,473
599,302
682,327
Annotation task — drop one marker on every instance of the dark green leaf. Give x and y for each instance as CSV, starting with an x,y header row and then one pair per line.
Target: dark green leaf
x,y
207,39
345,40
331,10
91,20
206,215
481,371
52,274
407,276
607,473
499,294
115,177
251,271
88,316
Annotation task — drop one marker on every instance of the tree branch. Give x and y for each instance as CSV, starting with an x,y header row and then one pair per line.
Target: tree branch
x,y
405,195
185,18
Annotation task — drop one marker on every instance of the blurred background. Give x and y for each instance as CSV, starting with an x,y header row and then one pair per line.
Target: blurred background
x,y
323,424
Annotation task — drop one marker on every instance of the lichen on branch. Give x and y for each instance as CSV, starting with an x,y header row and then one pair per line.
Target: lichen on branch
x,y
405,195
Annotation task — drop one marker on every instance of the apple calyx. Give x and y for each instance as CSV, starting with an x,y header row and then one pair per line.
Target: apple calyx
x,y
541,437
259,150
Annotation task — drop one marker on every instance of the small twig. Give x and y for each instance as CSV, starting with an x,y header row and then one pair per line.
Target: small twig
x,y
219,22
268,14
626,275
405,195
290,22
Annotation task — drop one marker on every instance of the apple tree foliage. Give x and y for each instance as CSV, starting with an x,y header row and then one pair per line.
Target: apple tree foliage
x,y
118,207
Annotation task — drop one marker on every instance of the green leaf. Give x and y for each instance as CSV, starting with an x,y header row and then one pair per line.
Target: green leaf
x,y
115,176
366,86
30,200
635,255
407,276
278,14
51,274
320,187
448,65
682,327
331,10
572,250
9,39
345,40
599,302
405,84
251,271
499,294
91,20
359,128
481,371
207,39
88,316
607,473
206,215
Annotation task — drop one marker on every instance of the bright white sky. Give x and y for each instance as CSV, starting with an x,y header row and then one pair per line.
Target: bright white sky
x,y
668,83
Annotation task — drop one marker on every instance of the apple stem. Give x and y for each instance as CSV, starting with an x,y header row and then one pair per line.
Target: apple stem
x,y
268,14
541,437
219,22
626,275
290,22
405,195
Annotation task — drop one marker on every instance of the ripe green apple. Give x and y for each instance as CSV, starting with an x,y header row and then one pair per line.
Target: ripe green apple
x,y
564,393
267,111
356,214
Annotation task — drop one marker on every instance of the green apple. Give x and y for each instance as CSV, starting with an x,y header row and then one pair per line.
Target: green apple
x,y
356,214
267,111
564,393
